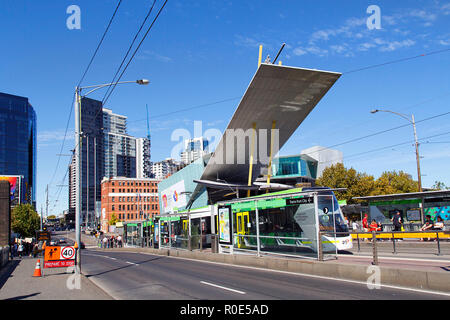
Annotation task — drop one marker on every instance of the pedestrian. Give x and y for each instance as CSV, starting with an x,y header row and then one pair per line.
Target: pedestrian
x,y
373,226
354,225
105,242
20,249
397,221
119,241
427,226
15,249
439,224
365,223
35,250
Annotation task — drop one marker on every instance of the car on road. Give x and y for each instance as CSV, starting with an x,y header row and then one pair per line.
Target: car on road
x,y
82,246
53,243
62,240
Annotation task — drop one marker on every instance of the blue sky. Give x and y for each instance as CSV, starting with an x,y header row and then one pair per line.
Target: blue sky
x,y
201,52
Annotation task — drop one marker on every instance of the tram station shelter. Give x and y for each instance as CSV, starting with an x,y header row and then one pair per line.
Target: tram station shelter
x,y
411,206
276,102
244,163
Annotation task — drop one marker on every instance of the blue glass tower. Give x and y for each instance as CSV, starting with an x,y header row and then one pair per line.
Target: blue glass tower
x,y
18,142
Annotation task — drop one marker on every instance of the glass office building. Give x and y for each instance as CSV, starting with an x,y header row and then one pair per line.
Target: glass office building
x,y
18,141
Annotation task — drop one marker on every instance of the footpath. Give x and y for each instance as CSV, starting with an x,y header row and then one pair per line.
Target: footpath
x,y
17,283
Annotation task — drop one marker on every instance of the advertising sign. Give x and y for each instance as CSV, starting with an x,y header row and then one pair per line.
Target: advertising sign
x,y
224,225
59,257
173,197
15,188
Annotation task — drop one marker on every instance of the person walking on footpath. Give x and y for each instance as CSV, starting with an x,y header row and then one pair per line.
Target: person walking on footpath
x,y
20,249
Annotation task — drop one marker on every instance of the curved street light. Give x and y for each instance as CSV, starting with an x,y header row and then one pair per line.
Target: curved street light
x,y
412,121
78,137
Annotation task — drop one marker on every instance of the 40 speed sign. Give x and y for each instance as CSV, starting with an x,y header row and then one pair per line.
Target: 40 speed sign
x,y
67,253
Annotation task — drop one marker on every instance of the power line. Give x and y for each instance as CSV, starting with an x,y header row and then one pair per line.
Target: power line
x,y
189,108
100,43
64,140
397,61
136,50
129,49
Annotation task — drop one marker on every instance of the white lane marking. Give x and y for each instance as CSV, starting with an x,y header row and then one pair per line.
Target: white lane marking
x,y
308,275
131,263
221,287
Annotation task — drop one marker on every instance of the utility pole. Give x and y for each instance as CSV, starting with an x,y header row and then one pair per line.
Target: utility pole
x,y
42,213
46,203
78,176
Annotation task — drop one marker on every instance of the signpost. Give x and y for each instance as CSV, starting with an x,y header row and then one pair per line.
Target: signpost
x,y
59,256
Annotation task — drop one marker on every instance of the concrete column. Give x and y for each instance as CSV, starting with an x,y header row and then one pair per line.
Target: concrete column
x,y
5,213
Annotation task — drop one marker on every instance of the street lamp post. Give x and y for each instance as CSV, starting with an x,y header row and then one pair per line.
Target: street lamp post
x,y
78,141
416,143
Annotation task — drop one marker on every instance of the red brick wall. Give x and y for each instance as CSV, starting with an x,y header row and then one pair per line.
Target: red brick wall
x,y
126,198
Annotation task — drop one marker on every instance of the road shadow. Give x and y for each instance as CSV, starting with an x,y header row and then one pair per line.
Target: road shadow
x,y
124,267
23,297
7,270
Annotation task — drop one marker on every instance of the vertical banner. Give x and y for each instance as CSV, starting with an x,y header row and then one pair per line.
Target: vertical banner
x,y
225,225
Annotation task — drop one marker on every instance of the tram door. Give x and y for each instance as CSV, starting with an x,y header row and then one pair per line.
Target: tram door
x,y
242,221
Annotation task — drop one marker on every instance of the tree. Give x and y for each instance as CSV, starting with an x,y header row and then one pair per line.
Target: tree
x,y
113,220
25,220
357,184
391,182
361,184
438,185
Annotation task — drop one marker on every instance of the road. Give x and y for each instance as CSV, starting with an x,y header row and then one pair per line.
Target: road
x,y
138,276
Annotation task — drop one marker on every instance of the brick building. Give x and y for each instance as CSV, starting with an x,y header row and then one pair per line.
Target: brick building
x,y
129,199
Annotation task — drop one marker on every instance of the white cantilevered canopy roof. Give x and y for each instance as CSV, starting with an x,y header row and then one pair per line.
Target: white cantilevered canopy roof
x,y
277,95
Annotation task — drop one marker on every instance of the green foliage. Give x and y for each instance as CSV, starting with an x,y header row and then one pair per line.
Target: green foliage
x,y
25,220
439,185
361,184
113,220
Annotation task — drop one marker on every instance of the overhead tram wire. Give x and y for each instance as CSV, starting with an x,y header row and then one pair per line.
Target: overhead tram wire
x,y
64,140
100,43
396,61
129,49
128,61
188,109
377,133
136,50
389,147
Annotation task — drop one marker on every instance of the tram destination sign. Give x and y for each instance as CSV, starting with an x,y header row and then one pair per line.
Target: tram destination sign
x,y
297,201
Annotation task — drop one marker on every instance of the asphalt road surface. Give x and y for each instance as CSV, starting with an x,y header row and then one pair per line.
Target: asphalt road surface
x,y
138,276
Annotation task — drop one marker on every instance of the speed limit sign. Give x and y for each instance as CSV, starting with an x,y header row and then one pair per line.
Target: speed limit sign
x,y
67,253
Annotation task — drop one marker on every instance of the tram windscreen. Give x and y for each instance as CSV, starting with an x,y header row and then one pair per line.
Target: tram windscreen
x,y
330,215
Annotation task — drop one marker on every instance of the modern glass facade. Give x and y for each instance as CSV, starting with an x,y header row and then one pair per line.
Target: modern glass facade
x,y
18,141
294,166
